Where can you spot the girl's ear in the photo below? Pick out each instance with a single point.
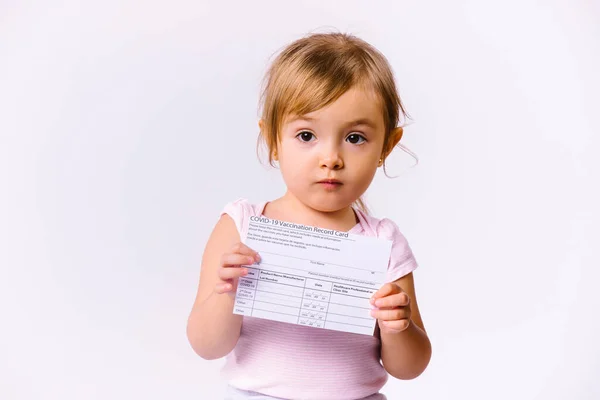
(393, 141)
(261, 126)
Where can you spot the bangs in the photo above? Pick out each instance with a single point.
(316, 80)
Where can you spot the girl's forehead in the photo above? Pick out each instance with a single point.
(357, 105)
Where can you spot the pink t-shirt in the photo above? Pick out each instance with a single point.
(300, 362)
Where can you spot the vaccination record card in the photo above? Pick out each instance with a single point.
(312, 276)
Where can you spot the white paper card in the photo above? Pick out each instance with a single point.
(312, 276)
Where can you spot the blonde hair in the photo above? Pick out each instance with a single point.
(316, 70)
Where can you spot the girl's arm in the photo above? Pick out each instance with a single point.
(406, 354)
(212, 329)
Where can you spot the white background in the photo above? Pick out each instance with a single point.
(125, 126)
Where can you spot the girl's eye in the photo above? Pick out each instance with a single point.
(305, 136)
(355, 138)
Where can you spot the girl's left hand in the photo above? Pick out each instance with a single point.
(393, 308)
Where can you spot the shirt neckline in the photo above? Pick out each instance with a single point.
(356, 228)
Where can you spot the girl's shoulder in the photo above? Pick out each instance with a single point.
(402, 259)
(241, 209)
(383, 228)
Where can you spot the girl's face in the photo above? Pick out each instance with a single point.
(328, 157)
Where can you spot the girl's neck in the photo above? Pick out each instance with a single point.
(289, 208)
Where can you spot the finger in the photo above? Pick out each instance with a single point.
(231, 273)
(234, 260)
(241, 248)
(391, 315)
(394, 300)
(223, 287)
(399, 325)
(386, 290)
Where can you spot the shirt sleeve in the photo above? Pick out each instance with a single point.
(237, 211)
(402, 261)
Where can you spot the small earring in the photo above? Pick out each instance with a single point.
(380, 162)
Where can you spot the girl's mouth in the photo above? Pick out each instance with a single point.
(330, 183)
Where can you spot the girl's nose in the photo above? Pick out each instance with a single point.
(332, 160)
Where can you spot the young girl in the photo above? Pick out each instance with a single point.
(330, 118)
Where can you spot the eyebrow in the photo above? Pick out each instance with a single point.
(360, 121)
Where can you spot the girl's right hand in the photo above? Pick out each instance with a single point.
(232, 267)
